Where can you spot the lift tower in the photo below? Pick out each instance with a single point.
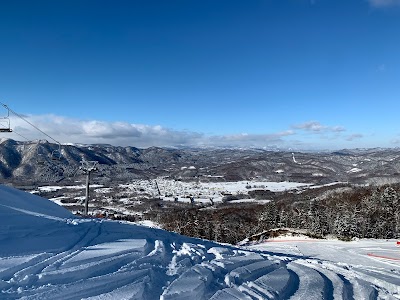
(88, 167)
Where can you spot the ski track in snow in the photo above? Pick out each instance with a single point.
(101, 259)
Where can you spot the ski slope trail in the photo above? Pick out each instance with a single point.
(47, 253)
(334, 269)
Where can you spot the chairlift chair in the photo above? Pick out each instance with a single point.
(5, 125)
(56, 154)
(40, 159)
(40, 156)
(5, 129)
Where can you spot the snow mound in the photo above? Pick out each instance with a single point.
(47, 253)
(278, 234)
(15, 199)
(354, 170)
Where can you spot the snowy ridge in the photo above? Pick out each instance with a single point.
(46, 253)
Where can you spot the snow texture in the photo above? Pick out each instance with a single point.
(47, 253)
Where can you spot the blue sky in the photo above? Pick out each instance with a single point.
(298, 74)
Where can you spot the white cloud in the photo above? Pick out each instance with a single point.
(338, 129)
(249, 140)
(355, 136)
(317, 127)
(310, 126)
(68, 130)
(395, 141)
(384, 3)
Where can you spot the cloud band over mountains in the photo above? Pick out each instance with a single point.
(68, 130)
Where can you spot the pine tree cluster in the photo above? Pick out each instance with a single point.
(362, 212)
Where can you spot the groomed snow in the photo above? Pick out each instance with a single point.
(47, 253)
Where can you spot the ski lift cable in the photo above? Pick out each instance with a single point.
(20, 135)
(34, 126)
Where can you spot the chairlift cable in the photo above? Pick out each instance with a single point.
(20, 135)
(34, 126)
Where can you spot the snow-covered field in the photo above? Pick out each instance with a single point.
(46, 253)
(172, 190)
(204, 191)
(127, 199)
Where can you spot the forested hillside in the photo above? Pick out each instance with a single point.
(362, 212)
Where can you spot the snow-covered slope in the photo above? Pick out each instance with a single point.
(46, 253)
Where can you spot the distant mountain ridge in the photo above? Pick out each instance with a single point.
(33, 161)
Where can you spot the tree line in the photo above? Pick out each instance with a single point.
(359, 212)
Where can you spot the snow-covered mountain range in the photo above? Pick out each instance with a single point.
(42, 162)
